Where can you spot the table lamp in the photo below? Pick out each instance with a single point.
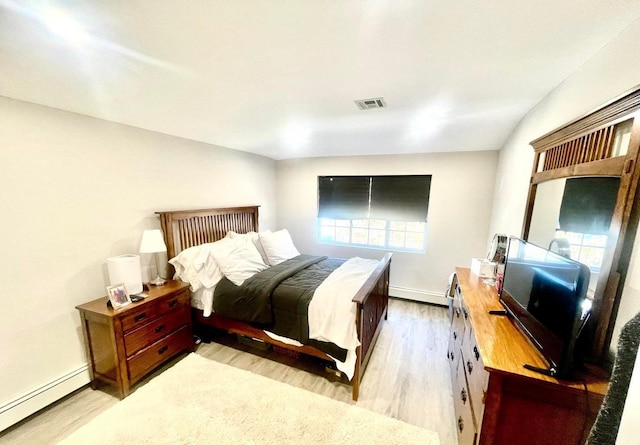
(153, 242)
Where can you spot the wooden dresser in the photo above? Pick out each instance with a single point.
(496, 400)
(124, 345)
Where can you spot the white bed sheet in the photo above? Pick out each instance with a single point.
(332, 314)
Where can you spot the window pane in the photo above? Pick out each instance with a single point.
(415, 227)
(575, 252)
(360, 223)
(342, 235)
(378, 224)
(377, 237)
(592, 256)
(327, 233)
(360, 236)
(327, 221)
(595, 240)
(396, 239)
(574, 238)
(398, 225)
(343, 223)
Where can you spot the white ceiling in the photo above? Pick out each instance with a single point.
(279, 77)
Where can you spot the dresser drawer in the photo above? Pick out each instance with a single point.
(477, 376)
(147, 312)
(465, 425)
(148, 358)
(151, 332)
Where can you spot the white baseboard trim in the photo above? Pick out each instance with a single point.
(419, 295)
(23, 406)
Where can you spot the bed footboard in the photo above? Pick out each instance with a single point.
(372, 301)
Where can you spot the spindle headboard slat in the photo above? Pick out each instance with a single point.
(187, 228)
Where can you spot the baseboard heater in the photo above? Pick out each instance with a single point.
(419, 295)
(33, 401)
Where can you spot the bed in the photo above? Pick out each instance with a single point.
(186, 229)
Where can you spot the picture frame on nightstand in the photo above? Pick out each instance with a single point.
(118, 295)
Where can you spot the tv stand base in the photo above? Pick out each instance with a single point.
(551, 372)
(498, 312)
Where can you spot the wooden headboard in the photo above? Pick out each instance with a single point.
(187, 228)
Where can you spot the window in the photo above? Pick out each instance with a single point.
(385, 212)
(586, 248)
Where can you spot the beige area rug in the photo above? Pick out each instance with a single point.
(202, 401)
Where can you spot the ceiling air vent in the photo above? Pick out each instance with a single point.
(369, 104)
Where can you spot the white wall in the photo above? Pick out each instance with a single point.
(75, 191)
(458, 221)
(612, 72)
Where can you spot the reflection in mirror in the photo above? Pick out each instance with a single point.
(622, 138)
(572, 217)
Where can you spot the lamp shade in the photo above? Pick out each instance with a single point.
(152, 242)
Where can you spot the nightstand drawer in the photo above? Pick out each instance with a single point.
(154, 331)
(148, 358)
(147, 312)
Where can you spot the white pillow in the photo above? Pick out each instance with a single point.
(185, 267)
(196, 266)
(278, 246)
(210, 273)
(238, 259)
(254, 238)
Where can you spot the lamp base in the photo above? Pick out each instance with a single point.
(157, 281)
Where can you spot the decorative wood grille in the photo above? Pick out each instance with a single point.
(208, 229)
(184, 229)
(594, 146)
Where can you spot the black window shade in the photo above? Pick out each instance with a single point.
(343, 197)
(588, 204)
(399, 198)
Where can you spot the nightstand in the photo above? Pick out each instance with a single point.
(123, 345)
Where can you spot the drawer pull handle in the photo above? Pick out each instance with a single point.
(463, 395)
(465, 313)
(172, 303)
(476, 352)
(141, 316)
(457, 313)
(469, 366)
(159, 329)
(455, 335)
(460, 424)
(451, 355)
(163, 349)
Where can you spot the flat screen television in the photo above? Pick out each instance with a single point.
(546, 295)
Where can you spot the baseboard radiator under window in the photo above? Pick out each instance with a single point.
(419, 295)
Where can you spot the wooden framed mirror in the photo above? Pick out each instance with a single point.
(583, 203)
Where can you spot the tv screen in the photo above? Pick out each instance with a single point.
(545, 293)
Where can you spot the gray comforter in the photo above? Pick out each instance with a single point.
(277, 299)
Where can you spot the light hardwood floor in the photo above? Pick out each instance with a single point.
(407, 378)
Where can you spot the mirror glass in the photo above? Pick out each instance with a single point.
(622, 138)
(571, 216)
